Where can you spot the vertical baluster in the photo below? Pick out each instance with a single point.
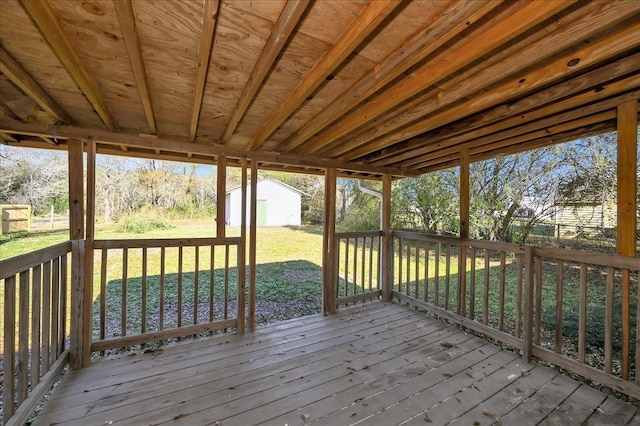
(371, 263)
(436, 283)
(180, 258)
(519, 285)
(338, 251)
(196, 284)
(55, 310)
(46, 317)
(36, 294)
(400, 249)
(485, 301)
(212, 260)
(64, 296)
(355, 265)
(503, 273)
(472, 285)
(408, 266)
(144, 291)
(559, 298)
(538, 310)
(608, 321)
(9, 347)
(426, 271)
(582, 316)
(363, 267)
(123, 308)
(103, 294)
(346, 267)
(416, 293)
(162, 284)
(447, 276)
(226, 282)
(23, 338)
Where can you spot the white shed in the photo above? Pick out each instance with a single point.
(278, 204)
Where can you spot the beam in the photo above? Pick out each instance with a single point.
(48, 24)
(517, 23)
(288, 20)
(517, 85)
(209, 18)
(329, 254)
(169, 146)
(362, 26)
(449, 24)
(21, 78)
(126, 18)
(221, 196)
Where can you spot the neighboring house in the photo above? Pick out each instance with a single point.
(589, 218)
(278, 204)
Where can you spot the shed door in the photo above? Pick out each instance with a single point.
(261, 213)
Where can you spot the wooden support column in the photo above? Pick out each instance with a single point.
(627, 222)
(242, 265)
(252, 245)
(221, 196)
(329, 244)
(76, 235)
(527, 335)
(464, 231)
(88, 252)
(386, 256)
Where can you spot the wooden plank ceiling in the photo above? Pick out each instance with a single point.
(374, 87)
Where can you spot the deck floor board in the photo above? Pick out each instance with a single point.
(372, 364)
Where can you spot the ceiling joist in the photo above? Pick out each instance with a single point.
(126, 18)
(288, 20)
(207, 35)
(362, 26)
(48, 24)
(21, 78)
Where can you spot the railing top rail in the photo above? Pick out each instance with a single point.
(580, 256)
(490, 245)
(15, 265)
(358, 234)
(165, 242)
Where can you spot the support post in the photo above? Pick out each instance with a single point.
(221, 195)
(88, 253)
(386, 256)
(242, 266)
(329, 245)
(252, 245)
(464, 231)
(76, 235)
(627, 223)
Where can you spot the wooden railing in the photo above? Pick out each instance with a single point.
(563, 306)
(358, 265)
(155, 295)
(35, 307)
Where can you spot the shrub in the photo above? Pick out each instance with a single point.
(139, 224)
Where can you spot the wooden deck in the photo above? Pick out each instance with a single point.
(374, 364)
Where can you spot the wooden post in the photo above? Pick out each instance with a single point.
(252, 245)
(329, 246)
(464, 231)
(527, 335)
(76, 235)
(386, 256)
(627, 192)
(88, 253)
(242, 267)
(221, 196)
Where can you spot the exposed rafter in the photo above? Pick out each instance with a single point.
(21, 78)
(570, 63)
(207, 35)
(126, 18)
(48, 24)
(287, 21)
(451, 23)
(515, 24)
(363, 25)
